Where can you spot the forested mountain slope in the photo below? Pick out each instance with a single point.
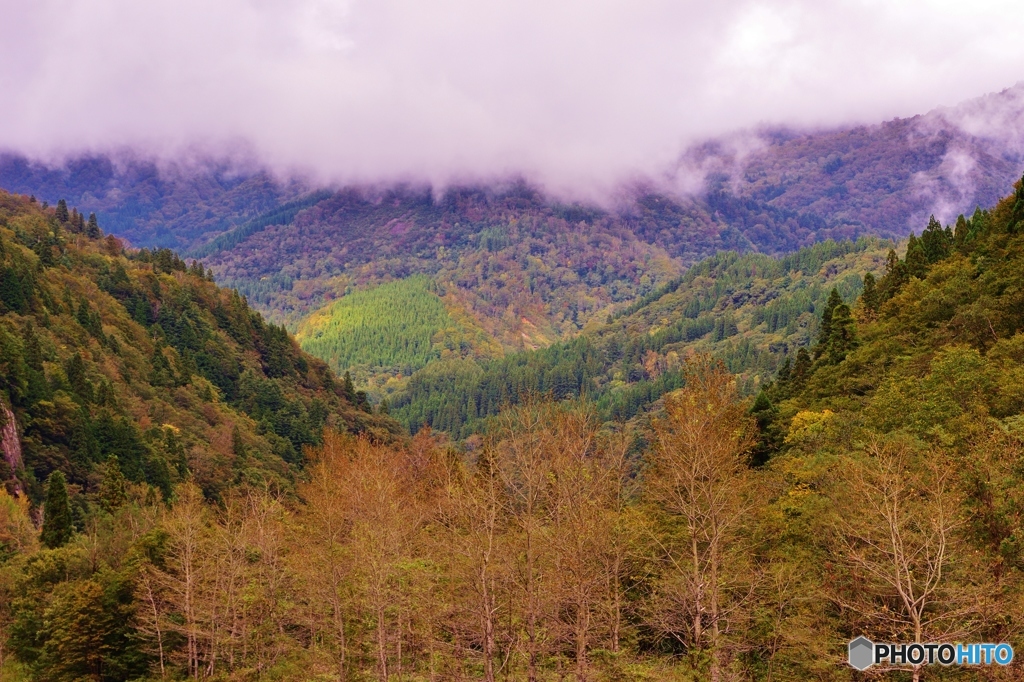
(161, 205)
(111, 352)
(527, 267)
(936, 348)
(873, 488)
(752, 311)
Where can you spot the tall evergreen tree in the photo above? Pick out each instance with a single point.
(769, 436)
(825, 330)
(348, 387)
(842, 335)
(113, 487)
(961, 234)
(58, 526)
(895, 276)
(62, 212)
(916, 260)
(237, 444)
(1016, 222)
(936, 241)
(783, 375)
(93, 229)
(869, 295)
(801, 368)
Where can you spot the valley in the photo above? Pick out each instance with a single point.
(518, 270)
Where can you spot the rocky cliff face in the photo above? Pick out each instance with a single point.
(10, 445)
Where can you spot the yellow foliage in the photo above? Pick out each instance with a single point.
(17, 533)
(807, 424)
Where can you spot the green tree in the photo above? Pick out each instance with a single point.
(93, 229)
(77, 624)
(58, 526)
(1016, 222)
(237, 444)
(825, 330)
(74, 369)
(113, 488)
(895, 276)
(936, 241)
(769, 435)
(62, 212)
(916, 260)
(869, 297)
(961, 234)
(842, 335)
(801, 368)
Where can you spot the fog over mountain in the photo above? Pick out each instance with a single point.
(578, 96)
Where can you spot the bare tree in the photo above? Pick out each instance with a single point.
(898, 534)
(182, 583)
(522, 447)
(697, 478)
(386, 516)
(327, 527)
(474, 517)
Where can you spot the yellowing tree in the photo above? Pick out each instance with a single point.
(698, 479)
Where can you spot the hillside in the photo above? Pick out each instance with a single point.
(383, 334)
(112, 352)
(872, 488)
(527, 267)
(751, 311)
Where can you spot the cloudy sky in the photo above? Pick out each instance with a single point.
(570, 92)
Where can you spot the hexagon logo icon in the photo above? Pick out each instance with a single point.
(862, 652)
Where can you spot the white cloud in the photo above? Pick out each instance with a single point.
(574, 94)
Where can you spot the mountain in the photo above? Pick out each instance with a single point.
(526, 268)
(163, 205)
(871, 489)
(751, 311)
(106, 351)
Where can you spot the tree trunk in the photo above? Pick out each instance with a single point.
(382, 646)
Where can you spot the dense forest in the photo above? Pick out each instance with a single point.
(379, 335)
(750, 311)
(133, 354)
(527, 267)
(872, 487)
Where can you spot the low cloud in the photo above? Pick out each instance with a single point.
(578, 95)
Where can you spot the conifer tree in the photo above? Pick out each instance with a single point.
(961, 233)
(801, 368)
(237, 445)
(936, 241)
(347, 387)
(825, 330)
(62, 212)
(916, 260)
(895, 276)
(57, 523)
(869, 297)
(93, 230)
(1016, 222)
(113, 487)
(842, 335)
(74, 369)
(784, 372)
(769, 436)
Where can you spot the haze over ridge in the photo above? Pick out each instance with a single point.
(577, 96)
